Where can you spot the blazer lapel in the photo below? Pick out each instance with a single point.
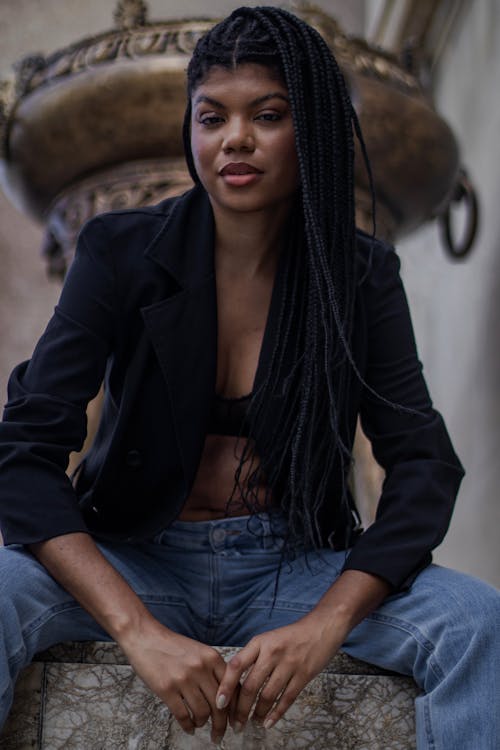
(183, 327)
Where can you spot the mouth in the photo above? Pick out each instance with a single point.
(238, 169)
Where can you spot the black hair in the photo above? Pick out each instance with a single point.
(299, 451)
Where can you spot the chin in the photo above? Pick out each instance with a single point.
(252, 203)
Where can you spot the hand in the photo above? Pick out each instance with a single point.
(278, 665)
(184, 673)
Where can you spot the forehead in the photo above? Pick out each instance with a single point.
(245, 76)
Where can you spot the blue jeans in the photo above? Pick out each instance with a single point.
(216, 581)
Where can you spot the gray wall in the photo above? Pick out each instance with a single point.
(456, 308)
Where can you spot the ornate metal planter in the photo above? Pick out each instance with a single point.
(96, 125)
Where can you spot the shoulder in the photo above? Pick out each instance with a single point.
(135, 225)
(376, 260)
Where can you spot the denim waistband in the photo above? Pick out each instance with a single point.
(258, 531)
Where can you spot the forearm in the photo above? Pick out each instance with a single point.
(185, 674)
(348, 601)
(75, 561)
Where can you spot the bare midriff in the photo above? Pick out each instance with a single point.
(214, 482)
(242, 308)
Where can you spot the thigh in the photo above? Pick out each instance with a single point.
(35, 611)
(173, 582)
(426, 631)
(420, 632)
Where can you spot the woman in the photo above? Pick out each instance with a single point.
(241, 329)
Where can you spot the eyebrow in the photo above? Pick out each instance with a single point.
(254, 103)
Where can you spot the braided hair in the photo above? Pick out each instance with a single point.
(299, 450)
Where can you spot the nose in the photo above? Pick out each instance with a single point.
(238, 136)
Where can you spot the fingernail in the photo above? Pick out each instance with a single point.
(268, 724)
(221, 701)
(238, 727)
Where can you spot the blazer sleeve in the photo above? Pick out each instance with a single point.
(45, 416)
(409, 438)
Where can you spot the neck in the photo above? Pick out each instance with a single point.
(249, 244)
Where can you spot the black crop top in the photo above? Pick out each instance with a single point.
(229, 416)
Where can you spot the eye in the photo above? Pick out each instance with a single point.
(209, 120)
(269, 116)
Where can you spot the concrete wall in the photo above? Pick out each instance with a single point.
(456, 307)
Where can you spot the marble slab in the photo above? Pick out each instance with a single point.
(21, 732)
(86, 697)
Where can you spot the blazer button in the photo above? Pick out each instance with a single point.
(134, 459)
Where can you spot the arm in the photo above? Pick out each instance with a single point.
(422, 471)
(180, 671)
(44, 420)
(45, 416)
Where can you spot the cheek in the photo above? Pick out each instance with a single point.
(285, 145)
(195, 148)
(199, 145)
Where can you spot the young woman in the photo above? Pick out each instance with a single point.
(241, 329)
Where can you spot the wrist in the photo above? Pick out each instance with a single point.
(139, 631)
(331, 623)
(129, 627)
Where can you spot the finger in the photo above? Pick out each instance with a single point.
(219, 724)
(219, 717)
(284, 702)
(232, 710)
(198, 705)
(270, 693)
(235, 667)
(219, 669)
(249, 691)
(182, 714)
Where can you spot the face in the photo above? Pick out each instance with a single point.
(243, 141)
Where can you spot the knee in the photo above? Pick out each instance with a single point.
(462, 611)
(482, 612)
(470, 614)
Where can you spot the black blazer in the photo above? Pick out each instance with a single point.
(138, 309)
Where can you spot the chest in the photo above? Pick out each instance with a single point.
(242, 314)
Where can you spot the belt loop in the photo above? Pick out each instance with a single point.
(266, 525)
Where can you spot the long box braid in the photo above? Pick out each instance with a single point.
(298, 451)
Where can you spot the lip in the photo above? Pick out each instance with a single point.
(237, 169)
(239, 174)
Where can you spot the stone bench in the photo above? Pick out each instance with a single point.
(85, 696)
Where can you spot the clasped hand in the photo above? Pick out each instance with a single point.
(197, 685)
(271, 671)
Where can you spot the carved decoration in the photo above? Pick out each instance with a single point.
(130, 13)
(140, 183)
(166, 39)
(7, 99)
(138, 38)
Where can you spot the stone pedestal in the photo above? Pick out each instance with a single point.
(84, 696)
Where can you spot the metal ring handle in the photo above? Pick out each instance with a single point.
(464, 192)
